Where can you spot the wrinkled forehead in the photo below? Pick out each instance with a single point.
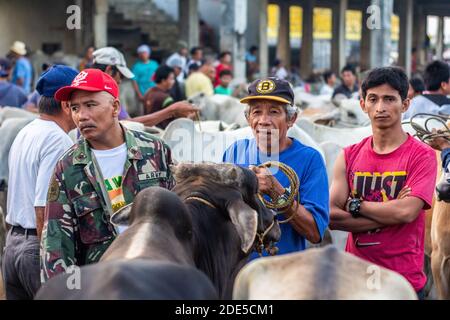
(82, 96)
(225, 174)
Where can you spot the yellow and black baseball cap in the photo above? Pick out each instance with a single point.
(270, 89)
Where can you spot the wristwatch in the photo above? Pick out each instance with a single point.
(354, 206)
(283, 198)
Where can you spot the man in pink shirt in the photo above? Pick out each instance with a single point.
(383, 184)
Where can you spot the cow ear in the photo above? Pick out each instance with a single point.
(122, 216)
(245, 220)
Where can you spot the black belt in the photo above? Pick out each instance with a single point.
(20, 230)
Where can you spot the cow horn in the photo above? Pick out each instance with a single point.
(122, 216)
(245, 220)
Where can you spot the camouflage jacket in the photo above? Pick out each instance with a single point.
(77, 230)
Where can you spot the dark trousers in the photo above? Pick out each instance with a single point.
(21, 266)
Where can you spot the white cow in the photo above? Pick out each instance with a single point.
(189, 144)
(319, 274)
(348, 136)
(11, 112)
(8, 131)
(220, 107)
(305, 100)
(352, 114)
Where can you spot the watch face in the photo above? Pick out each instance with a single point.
(352, 206)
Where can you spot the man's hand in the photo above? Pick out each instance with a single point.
(438, 143)
(183, 109)
(404, 192)
(267, 183)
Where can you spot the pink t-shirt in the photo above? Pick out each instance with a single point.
(380, 177)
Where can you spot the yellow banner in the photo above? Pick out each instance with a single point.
(322, 23)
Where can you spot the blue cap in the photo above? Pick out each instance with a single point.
(55, 77)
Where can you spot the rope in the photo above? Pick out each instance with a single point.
(294, 183)
(424, 133)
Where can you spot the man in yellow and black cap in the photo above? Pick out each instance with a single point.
(270, 113)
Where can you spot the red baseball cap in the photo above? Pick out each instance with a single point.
(93, 80)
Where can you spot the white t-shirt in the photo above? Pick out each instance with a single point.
(32, 159)
(112, 165)
(281, 73)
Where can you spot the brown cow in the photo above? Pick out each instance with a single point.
(440, 254)
(439, 231)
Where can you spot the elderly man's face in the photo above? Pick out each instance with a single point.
(269, 123)
(94, 113)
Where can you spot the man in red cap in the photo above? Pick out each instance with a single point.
(97, 176)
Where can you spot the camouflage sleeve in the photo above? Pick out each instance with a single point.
(169, 162)
(58, 244)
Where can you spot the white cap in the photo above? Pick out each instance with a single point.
(175, 62)
(19, 48)
(144, 48)
(113, 57)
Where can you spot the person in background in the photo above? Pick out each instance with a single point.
(32, 102)
(349, 82)
(435, 100)
(416, 88)
(112, 62)
(251, 60)
(32, 159)
(143, 71)
(177, 91)
(158, 97)
(224, 64)
(329, 77)
(10, 94)
(23, 71)
(181, 60)
(278, 70)
(88, 60)
(225, 78)
(196, 58)
(200, 81)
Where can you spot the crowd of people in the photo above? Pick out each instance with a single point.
(381, 185)
(191, 71)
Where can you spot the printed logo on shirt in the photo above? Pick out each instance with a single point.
(114, 188)
(376, 186)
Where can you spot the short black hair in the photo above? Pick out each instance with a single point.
(327, 75)
(49, 106)
(223, 54)
(225, 72)
(417, 84)
(162, 73)
(393, 76)
(194, 50)
(193, 67)
(350, 68)
(253, 48)
(435, 73)
(103, 67)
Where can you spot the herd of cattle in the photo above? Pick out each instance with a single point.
(177, 248)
